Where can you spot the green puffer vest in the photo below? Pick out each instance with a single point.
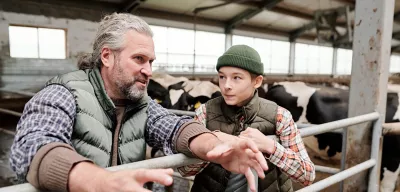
(95, 120)
(258, 113)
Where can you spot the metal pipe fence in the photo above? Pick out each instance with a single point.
(339, 176)
(325, 169)
(10, 112)
(182, 160)
(391, 128)
(25, 93)
(323, 128)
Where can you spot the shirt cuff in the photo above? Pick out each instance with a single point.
(277, 154)
(51, 165)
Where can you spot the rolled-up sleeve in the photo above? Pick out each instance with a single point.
(48, 117)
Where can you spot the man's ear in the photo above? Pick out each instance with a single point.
(259, 80)
(107, 57)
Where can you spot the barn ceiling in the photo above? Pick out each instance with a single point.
(287, 18)
(280, 17)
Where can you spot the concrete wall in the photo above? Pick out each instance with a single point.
(20, 73)
(78, 18)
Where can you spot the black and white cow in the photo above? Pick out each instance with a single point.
(317, 105)
(180, 93)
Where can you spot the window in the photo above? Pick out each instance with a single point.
(33, 42)
(394, 64)
(313, 59)
(177, 50)
(274, 54)
(344, 61)
(209, 46)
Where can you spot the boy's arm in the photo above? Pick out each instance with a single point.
(194, 169)
(291, 156)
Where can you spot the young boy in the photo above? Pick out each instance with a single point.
(239, 111)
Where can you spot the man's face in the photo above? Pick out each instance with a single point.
(132, 66)
(237, 86)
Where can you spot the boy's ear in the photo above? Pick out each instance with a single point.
(259, 79)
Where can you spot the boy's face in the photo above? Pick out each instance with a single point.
(237, 85)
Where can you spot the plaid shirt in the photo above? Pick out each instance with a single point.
(290, 156)
(49, 117)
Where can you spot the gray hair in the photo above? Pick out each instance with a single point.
(111, 33)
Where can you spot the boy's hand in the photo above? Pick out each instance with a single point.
(264, 143)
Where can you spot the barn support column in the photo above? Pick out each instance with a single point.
(292, 55)
(334, 61)
(368, 88)
(228, 41)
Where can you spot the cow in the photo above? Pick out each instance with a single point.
(181, 93)
(316, 105)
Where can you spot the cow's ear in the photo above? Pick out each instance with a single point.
(258, 81)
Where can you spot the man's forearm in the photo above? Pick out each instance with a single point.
(51, 165)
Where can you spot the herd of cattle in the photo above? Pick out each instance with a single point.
(308, 104)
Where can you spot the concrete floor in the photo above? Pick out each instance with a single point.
(7, 176)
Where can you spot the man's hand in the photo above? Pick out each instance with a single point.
(235, 154)
(264, 143)
(88, 177)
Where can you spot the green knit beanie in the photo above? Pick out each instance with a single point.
(244, 57)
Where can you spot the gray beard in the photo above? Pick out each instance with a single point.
(130, 91)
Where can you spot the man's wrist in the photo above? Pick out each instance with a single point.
(203, 143)
(85, 176)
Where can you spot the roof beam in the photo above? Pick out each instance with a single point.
(152, 13)
(297, 32)
(279, 10)
(248, 14)
(397, 16)
(396, 35)
(145, 12)
(395, 48)
(347, 2)
(130, 5)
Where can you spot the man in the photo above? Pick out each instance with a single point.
(101, 116)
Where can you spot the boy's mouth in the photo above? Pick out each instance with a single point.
(229, 96)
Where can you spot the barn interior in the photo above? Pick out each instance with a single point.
(308, 41)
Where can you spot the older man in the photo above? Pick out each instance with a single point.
(101, 116)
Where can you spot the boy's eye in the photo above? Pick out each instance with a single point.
(237, 77)
(221, 77)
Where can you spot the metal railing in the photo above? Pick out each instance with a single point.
(182, 160)
(10, 112)
(25, 93)
(339, 176)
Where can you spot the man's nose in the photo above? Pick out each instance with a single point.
(146, 70)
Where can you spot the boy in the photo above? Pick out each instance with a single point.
(239, 111)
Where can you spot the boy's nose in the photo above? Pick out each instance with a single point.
(227, 86)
